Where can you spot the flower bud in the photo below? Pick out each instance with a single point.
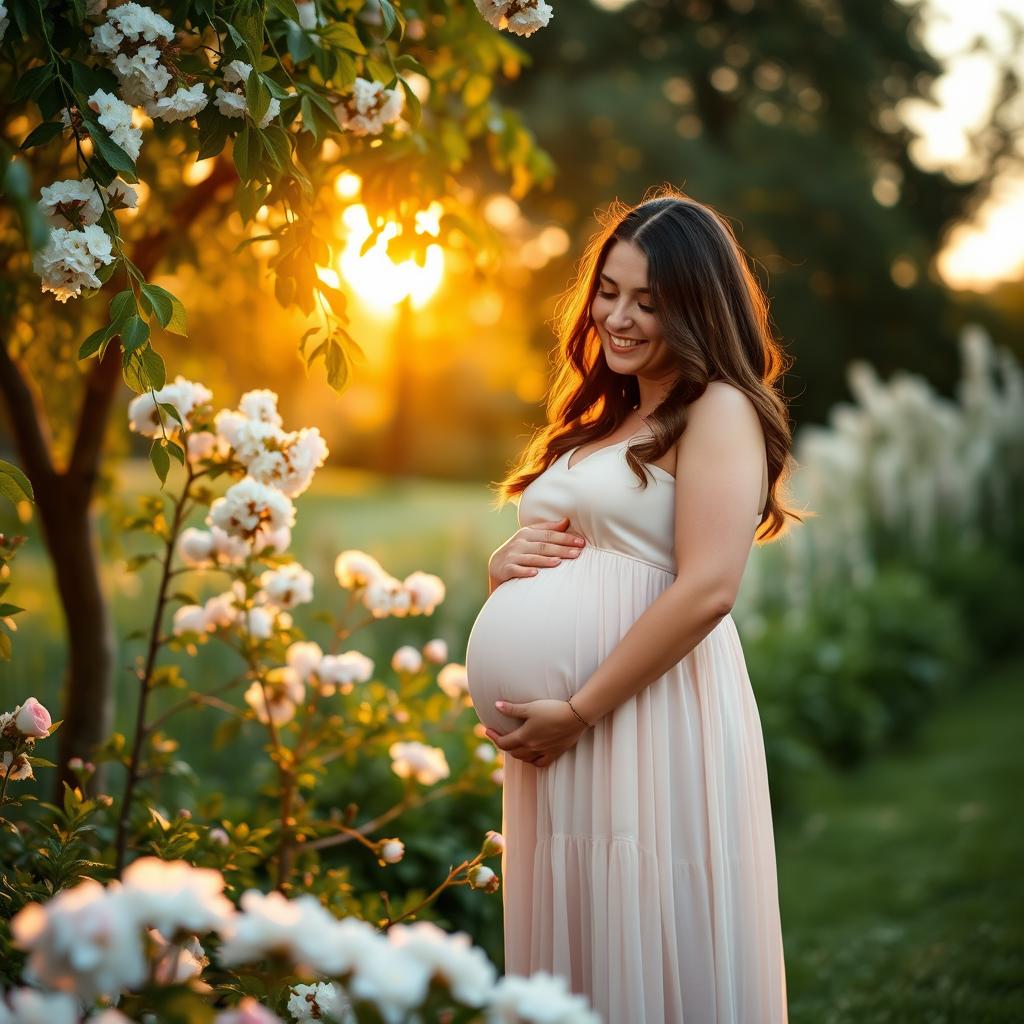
(32, 719)
(482, 877)
(494, 842)
(391, 851)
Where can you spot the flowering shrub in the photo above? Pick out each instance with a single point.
(192, 923)
(904, 472)
(144, 943)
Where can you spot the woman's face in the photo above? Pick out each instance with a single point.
(622, 311)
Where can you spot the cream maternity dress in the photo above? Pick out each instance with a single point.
(640, 865)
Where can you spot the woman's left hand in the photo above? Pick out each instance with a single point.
(549, 730)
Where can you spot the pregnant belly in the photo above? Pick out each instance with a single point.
(534, 638)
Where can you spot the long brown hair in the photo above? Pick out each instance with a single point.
(714, 318)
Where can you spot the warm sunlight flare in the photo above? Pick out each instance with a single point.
(379, 282)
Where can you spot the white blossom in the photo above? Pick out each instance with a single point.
(288, 585)
(321, 1001)
(407, 659)
(142, 75)
(248, 1011)
(204, 444)
(84, 940)
(71, 203)
(386, 595)
(485, 752)
(144, 417)
(453, 679)
(343, 671)
(261, 403)
(464, 968)
(189, 618)
(116, 117)
(134, 21)
(249, 504)
(417, 760)
(183, 103)
(221, 611)
(304, 656)
(542, 998)
(174, 896)
(291, 465)
(425, 590)
(232, 102)
(436, 651)
(28, 1006)
(195, 547)
(121, 195)
(284, 690)
(522, 17)
(356, 569)
(300, 929)
(70, 260)
(370, 107)
(396, 981)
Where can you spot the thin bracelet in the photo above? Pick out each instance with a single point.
(568, 701)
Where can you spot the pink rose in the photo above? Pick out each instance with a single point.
(33, 719)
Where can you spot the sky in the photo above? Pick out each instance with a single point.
(990, 248)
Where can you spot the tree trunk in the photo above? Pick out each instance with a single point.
(88, 705)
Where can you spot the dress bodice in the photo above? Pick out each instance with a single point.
(606, 504)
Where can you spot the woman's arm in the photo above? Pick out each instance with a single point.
(718, 482)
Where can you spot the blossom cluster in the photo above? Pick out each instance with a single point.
(92, 942)
(521, 17)
(369, 108)
(230, 98)
(19, 730)
(139, 46)
(383, 594)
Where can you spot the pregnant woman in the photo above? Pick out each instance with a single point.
(640, 858)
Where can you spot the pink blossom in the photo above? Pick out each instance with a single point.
(32, 719)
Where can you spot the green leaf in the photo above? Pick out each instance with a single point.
(134, 335)
(176, 451)
(158, 302)
(171, 411)
(32, 81)
(279, 146)
(42, 133)
(153, 366)
(160, 459)
(286, 7)
(8, 471)
(300, 46)
(342, 34)
(176, 319)
(246, 152)
(257, 96)
(94, 341)
(110, 151)
(9, 609)
(122, 306)
(337, 366)
(412, 102)
(214, 129)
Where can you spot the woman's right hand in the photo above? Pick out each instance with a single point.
(532, 548)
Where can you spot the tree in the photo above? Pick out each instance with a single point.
(281, 97)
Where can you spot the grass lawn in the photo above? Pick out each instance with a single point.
(902, 888)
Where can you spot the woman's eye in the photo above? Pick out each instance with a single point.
(611, 295)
